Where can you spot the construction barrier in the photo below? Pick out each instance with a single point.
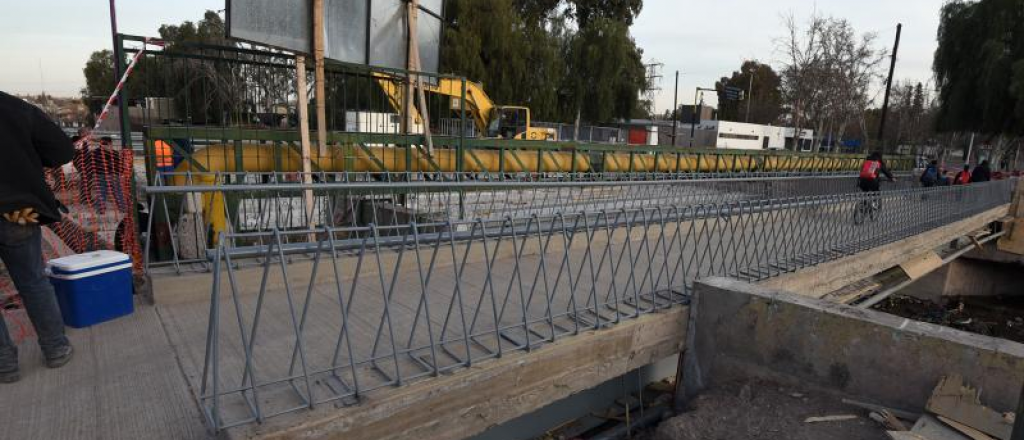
(98, 198)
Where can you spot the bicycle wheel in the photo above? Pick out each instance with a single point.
(860, 212)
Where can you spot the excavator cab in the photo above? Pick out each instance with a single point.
(509, 122)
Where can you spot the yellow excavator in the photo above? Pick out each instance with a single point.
(491, 121)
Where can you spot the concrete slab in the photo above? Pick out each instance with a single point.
(123, 383)
(743, 329)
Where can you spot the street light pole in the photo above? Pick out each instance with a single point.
(888, 87)
(675, 112)
(750, 93)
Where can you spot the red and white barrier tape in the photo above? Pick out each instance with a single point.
(120, 84)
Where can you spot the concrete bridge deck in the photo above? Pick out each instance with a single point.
(139, 377)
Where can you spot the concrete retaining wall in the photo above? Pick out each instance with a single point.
(738, 329)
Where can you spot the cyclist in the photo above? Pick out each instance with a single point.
(963, 177)
(871, 170)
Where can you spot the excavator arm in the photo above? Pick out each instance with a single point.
(512, 122)
(478, 104)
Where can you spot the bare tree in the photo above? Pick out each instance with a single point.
(827, 73)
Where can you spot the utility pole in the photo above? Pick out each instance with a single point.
(888, 87)
(750, 94)
(694, 118)
(675, 111)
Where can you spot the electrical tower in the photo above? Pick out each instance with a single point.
(654, 77)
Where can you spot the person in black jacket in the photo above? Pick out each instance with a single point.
(29, 141)
(982, 173)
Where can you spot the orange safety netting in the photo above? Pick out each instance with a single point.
(99, 201)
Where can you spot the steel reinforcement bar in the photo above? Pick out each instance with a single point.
(376, 306)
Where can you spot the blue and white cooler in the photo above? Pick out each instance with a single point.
(93, 287)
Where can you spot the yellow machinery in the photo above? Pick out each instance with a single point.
(491, 121)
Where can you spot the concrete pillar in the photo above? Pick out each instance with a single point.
(968, 277)
(1013, 241)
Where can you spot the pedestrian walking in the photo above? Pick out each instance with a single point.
(964, 176)
(930, 176)
(982, 173)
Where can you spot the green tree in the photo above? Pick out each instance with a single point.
(979, 67)
(527, 52)
(585, 11)
(99, 74)
(606, 73)
(491, 43)
(764, 99)
(210, 30)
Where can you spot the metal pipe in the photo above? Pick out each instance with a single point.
(949, 259)
(463, 185)
(675, 112)
(750, 94)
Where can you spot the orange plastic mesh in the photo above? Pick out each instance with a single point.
(99, 197)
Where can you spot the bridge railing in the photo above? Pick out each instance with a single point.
(186, 219)
(325, 315)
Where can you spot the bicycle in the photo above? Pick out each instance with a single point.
(866, 209)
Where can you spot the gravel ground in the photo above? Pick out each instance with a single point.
(766, 410)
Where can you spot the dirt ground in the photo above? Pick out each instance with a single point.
(1001, 317)
(766, 410)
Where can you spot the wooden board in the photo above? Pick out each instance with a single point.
(461, 405)
(955, 400)
(974, 434)
(922, 265)
(930, 428)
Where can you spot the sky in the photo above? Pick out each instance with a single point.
(45, 43)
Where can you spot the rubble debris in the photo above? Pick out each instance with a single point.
(719, 413)
(888, 420)
(905, 415)
(1000, 317)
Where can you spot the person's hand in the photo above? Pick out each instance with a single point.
(23, 216)
(85, 136)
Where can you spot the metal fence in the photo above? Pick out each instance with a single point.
(187, 218)
(233, 109)
(324, 315)
(586, 133)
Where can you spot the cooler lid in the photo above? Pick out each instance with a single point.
(87, 261)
